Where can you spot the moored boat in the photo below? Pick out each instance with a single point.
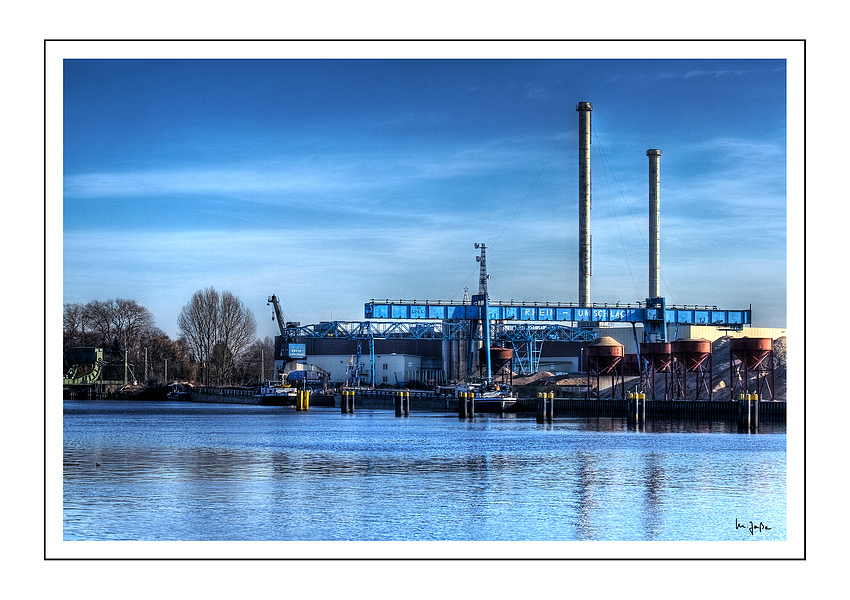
(274, 393)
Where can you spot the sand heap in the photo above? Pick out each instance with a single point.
(720, 372)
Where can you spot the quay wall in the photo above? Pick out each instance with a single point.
(385, 399)
(224, 396)
(678, 408)
(239, 396)
(430, 402)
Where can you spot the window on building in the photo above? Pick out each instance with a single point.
(386, 366)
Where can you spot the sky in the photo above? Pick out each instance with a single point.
(330, 182)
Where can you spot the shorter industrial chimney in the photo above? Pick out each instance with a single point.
(654, 223)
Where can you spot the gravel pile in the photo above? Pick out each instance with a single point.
(721, 361)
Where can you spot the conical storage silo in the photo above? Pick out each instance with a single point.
(691, 356)
(501, 360)
(751, 366)
(605, 357)
(657, 357)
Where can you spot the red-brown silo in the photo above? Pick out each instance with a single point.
(751, 351)
(500, 358)
(658, 354)
(691, 354)
(604, 353)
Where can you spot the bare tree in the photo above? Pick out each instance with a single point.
(257, 361)
(130, 322)
(101, 318)
(198, 322)
(74, 325)
(168, 360)
(238, 328)
(218, 327)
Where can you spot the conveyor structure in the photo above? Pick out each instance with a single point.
(521, 326)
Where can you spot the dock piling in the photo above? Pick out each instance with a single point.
(748, 412)
(545, 407)
(346, 404)
(636, 407)
(303, 400)
(466, 405)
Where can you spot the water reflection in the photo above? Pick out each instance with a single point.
(178, 472)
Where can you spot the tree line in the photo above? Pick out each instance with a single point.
(217, 343)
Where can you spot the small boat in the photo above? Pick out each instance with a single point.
(178, 393)
(493, 399)
(494, 402)
(274, 393)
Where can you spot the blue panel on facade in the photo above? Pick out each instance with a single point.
(457, 312)
(702, 317)
(511, 313)
(528, 313)
(685, 316)
(546, 314)
(635, 315)
(718, 317)
(493, 313)
(582, 314)
(735, 317)
(657, 313)
(617, 314)
(564, 314)
(399, 311)
(297, 350)
(599, 314)
(418, 312)
(436, 312)
(379, 311)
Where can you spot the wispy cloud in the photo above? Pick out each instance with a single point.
(701, 73)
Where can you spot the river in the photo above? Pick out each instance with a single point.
(164, 471)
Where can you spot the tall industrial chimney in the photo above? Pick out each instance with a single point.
(584, 109)
(654, 222)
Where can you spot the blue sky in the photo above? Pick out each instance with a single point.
(331, 182)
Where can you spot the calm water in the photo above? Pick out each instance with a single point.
(187, 471)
